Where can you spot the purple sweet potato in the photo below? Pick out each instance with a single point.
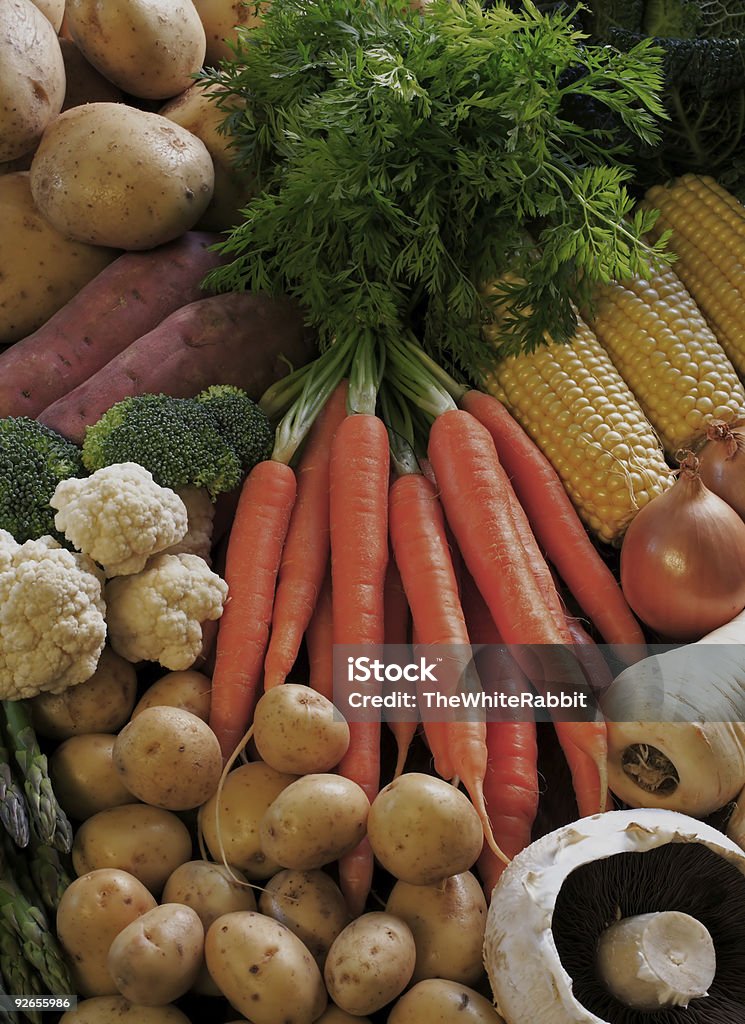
(236, 338)
(124, 301)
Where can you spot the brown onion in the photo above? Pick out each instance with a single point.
(722, 460)
(683, 559)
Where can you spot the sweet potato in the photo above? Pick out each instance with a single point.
(125, 300)
(237, 338)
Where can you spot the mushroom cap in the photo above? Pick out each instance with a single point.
(527, 977)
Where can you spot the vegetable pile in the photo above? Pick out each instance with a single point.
(375, 338)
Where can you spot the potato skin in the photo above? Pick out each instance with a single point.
(264, 970)
(102, 703)
(437, 1001)
(110, 174)
(148, 842)
(219, 18)
(84, 777)
(189, 690)
(447, 921)
(156, 959)
(370, 963)
(310, 904)
(149, 48)
(42, 267)
(168, 758)
(32, 77)
(118, 1010)
(92, 911)
(298, 730)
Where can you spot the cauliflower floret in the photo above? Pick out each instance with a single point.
(119, 516)
(157, 615)
(52, 617)
(200, 510)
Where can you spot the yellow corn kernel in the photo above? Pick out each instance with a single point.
(577, 408)
(664, 349)
(708, 236)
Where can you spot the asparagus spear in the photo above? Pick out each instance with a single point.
(16, 971)
(48, 819)
(12, 1017)
(36, 939)
(49, 872)
(13, 810)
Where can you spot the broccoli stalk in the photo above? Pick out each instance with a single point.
(209, 441)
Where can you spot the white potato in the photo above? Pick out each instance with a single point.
(84, 777)
(370, 963)
(110, 174)
(438, 1001)
(297, 729)
(188, 689)
(118, 1010)
(149, 48)
(310, 904)
(220, 18)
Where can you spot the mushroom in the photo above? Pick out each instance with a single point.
(626, 917)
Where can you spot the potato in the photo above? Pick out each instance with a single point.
(54, 10)
(169, 758)
(83, 84)
(219, 18)
(92, 911)
(156, 959)
(84, 777)
(334, 1015)
(189, 690)
(211, 890)
(118, 1010)
(195, 111)
(159, 177)
(423, 830)
(101, 704)
(370, 963)
(148, 842)
(32, 77)
(296, 729)
(149, 48)
(314, 821)
(437, 1001)
(234, 816)
(41, 268)
(263, 970)
(447, 920)
(310, 904)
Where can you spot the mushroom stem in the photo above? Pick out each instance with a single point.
(655, 960)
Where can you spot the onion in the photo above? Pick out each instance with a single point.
(683, 559)
(723, 462)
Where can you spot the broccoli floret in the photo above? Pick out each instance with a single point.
(33, 460)
(177, 439)
(241, 422)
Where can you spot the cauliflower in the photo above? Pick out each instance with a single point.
(52, 625)
(157, 615)
(200, 510)
(119, 516)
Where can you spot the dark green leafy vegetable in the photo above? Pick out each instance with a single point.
(404, 159)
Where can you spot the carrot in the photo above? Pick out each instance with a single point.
(511, 779)
(237, 338)
(465, 463)
(319, 640)
(124, 301)
(396, 611)
(306, 550)
(251, 565)
(435, 732)
(557, 526)
(420, 545)
(359, 555)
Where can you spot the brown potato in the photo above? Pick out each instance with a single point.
(370, 963)
(168, 758)
(437, 1001)
(54, 10)
(156, 959)
(92, 911)
(102, 703)
(118, 1010)
(298, 730)
(148, 842)
(335, 1015)
(159, 177)
(310, 904)
(84, 777)
(188, 689)
(220, 18)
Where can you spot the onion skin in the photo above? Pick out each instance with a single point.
(722, 463)
(683, 560)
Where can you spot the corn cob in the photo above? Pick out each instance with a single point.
(663, 348)
(708, 236)
(574, 404)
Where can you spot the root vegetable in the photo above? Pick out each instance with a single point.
(299, 731)
(370, 963)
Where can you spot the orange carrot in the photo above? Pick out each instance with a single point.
(396, 610)
(251, 565)
(319, 640)
(466, 465)
(360, 462)
(306, 549)
(435, 732)
(420, 545)
(557, 526)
